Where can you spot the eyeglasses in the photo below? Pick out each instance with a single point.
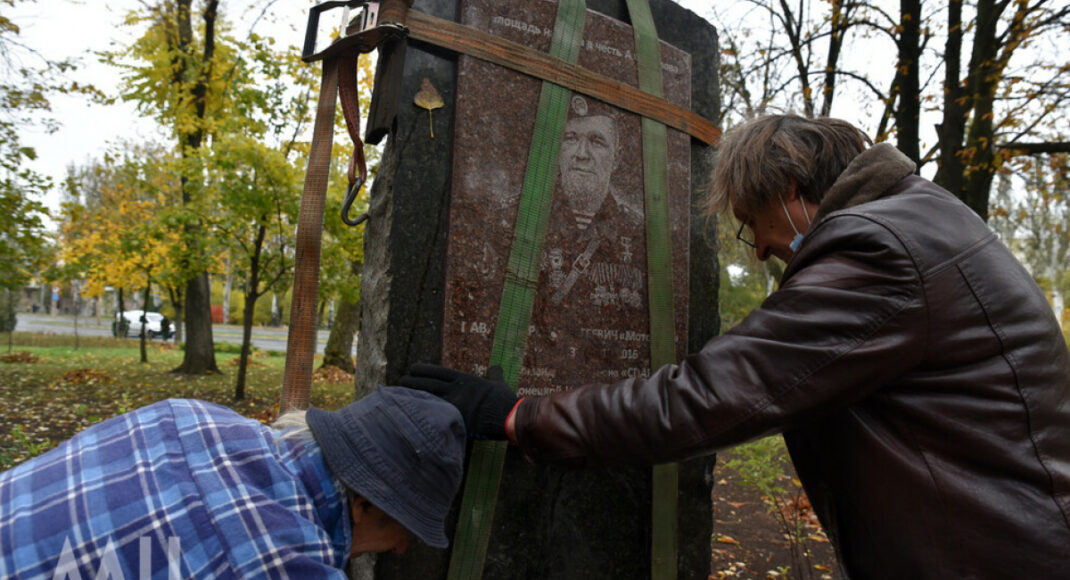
(746, 235)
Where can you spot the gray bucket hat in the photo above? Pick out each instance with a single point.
(402, 450)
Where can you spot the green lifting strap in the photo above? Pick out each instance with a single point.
(663, 549)
(514, 313)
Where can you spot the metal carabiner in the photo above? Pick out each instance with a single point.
(351, 195)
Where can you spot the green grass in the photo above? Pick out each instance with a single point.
(48, 401)
(24, 339)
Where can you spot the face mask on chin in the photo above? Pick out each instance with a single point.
(797, 240)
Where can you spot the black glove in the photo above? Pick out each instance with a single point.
(484, 403)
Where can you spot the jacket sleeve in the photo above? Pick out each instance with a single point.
(848, 319)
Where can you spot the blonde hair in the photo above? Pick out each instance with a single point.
(293, 424)
(761, 158)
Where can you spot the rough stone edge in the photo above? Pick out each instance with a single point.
(377, 357)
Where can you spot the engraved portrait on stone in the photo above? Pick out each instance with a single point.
(590, 316)
(590, 152)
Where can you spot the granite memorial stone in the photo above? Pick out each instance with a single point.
(590, 321)
(439, 236)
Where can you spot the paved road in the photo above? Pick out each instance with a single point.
(263, 338)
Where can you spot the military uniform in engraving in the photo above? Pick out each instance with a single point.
(593, 262)
(589, 318)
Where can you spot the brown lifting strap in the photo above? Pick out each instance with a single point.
(350, 97)
(395, 19)
(478, 44)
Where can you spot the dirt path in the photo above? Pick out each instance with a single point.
(749, 542)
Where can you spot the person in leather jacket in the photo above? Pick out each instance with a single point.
(915, 369)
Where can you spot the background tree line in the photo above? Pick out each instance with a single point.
(975, 92)
(219, 199)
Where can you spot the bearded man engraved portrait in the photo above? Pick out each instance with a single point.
(590, 258)
(590, 149)
(593, 262)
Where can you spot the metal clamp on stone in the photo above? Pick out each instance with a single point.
(362, 35)
(380, 24)
(377, 24)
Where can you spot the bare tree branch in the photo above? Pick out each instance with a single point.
(1036, 148)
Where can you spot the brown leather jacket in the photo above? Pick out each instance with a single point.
(915, 369)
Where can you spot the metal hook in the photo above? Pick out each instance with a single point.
(351, 195)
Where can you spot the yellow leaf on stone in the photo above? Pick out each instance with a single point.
(428, 98)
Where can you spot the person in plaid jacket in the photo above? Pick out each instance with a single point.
(190, 489)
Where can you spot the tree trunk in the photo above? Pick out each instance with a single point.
(951, 172)
(339, 349)
(908, 83)
(226, 292)
(199, 357)
(118, 329)
(75, 300)
(968, 157)
(246, 340)
(792, 25)
(839, 22)
(984, 74)
(144, 321)
(9, 321)
(252, 293)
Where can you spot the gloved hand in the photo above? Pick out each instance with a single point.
(484, 403)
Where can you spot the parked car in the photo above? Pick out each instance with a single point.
(129, 324)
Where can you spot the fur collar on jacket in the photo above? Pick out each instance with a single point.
(868, 177)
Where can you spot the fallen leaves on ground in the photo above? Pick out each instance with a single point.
(267, 415)
(19, 356)
(798, 509)
(743, 514)
(331, 374)
(86, 377)
(69, 389)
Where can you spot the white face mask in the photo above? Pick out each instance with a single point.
(797, 240)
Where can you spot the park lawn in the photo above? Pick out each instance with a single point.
(67, 389)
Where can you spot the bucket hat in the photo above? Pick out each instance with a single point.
(402, 450)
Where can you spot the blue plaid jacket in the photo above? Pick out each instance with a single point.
(178, 489)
